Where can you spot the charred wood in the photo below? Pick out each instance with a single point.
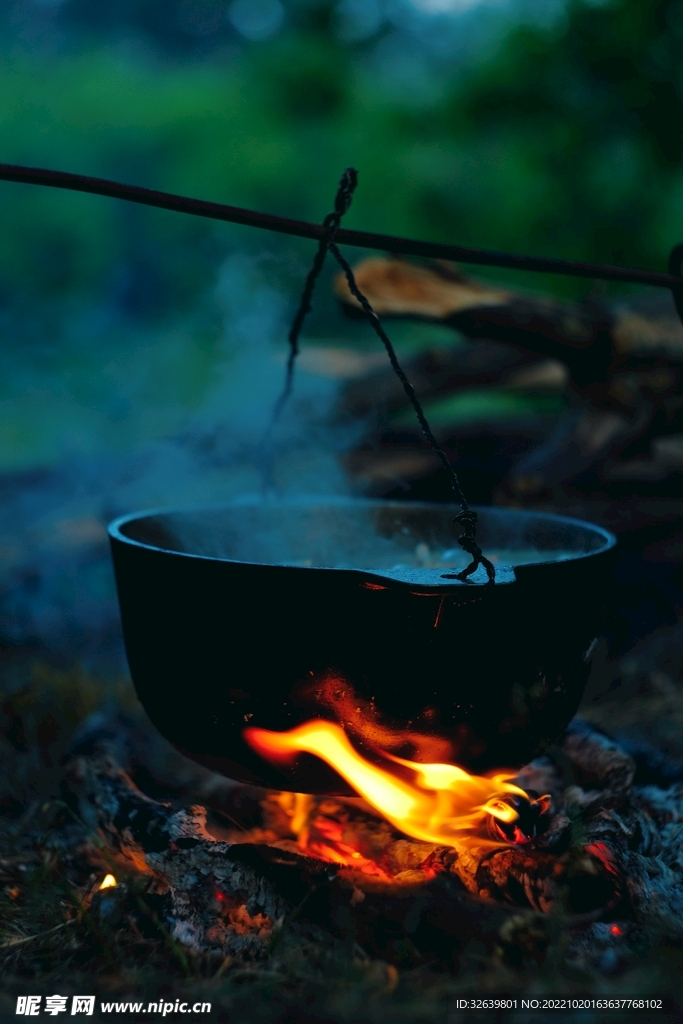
(238, 899)
(612, 848)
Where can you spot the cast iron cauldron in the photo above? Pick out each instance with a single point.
(270, 613)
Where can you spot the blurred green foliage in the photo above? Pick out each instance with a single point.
(565, 138)
(561, 138)
(587, 117)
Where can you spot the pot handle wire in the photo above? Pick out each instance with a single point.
(467, 517)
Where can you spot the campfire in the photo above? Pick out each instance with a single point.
(426, 853)
(369, 718)
(435, 803)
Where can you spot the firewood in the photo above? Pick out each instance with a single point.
(623, 367)
(580, 334)
(235, 899)
(217, 904)
(321, 870)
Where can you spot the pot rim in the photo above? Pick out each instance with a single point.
(115, 529)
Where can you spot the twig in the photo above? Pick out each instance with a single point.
(40, 935)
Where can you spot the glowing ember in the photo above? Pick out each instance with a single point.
(436, 803)
(108, 882)
(325, 829)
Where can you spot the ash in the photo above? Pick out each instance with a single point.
(237, 874)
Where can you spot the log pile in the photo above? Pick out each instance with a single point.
(620, 367)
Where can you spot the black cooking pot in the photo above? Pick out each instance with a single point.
(270, 613)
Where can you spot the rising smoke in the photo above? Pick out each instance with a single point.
(56, 584)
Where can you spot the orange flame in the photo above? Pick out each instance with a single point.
(442, 804)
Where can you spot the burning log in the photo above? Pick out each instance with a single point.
(317, 869)
(237, 897)
(434, 803)
(215, 902)
(623, 367)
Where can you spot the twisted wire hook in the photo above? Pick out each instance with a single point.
(342, 201)
(466, 518)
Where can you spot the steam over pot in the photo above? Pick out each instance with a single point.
(270, 613)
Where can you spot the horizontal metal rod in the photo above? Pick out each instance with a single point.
(364, 239)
